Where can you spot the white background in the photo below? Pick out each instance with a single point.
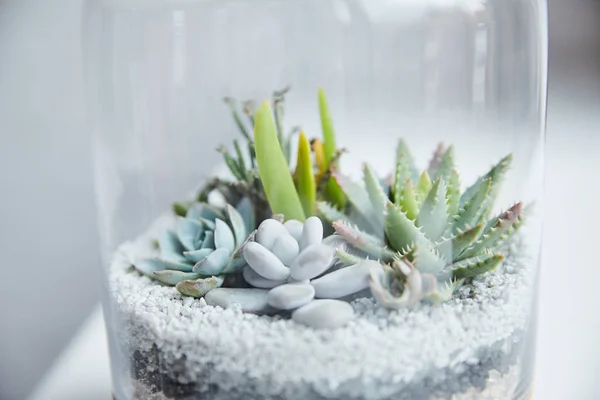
(48, 240)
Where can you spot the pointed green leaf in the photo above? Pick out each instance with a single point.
(402, 176)
(453, 194)
(401, 232)
(236, 116)
(377, 198)
(304, 177)
(423, 187)
(180, 209)
(474, 266)
(224, 238)
(408, 200)
(451, 247)
(404, 157)
(334, 193)
(427, 260)
(469, 214)
(496, 232)
(495, 175)
(445, 165)
(273, 168)
(362, 241)
(331, 214)
(433, 217)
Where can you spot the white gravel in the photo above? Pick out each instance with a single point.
(377, 354)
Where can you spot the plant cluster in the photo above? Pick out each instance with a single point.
(427, 234)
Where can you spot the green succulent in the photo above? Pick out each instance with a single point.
(205, 246)
(424, 220)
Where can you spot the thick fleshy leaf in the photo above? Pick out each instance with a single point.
(363, 241)
(208, 224)
(304, 178)
(331, 214)
(199, 287)
(170, 277)
(424, 186)
(376, 196)
(149, 266)
(433, 217)
(445, 165)
(197, 255)
(333, 191)
(451, 247)
(470, 211)
(495, 175)
(214, 264)
(453, 194)
(404, 157)
(474, 266)
(426, 259)
(404, 171)
(178, 266)
(401, 232)
(246, 210)
(238, 226)
(170, 247)
(203, 210)
(209, 241)
(224, 238)
(273, 168)
(359, 199)
(234, 264)
(189, 232)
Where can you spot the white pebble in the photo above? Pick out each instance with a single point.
(268, 231)
(286, 249)
(294, 227)
(249, 300)
(312, 232)
(256, 280)
(264, 262)
(290, 296)
(324, 314)
(313, 261)
(343, 282)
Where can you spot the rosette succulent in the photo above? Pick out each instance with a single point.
(205, 246)
(427, 235)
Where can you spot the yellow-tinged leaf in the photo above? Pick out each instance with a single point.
(424, 186)
(303, 176)
(273, 168)
(333, 192)
(317, 147)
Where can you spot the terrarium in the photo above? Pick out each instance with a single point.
(319, 199)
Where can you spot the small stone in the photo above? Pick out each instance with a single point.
(286, 249)
(294, 228)
(290, 296)
(264, 262)
(249, 300)
(312, 233)
(324, 314)
(256, 280)
(268, 231)
(343, 282)
(311, 262)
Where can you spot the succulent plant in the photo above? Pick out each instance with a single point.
(206, 245)
(421, 228)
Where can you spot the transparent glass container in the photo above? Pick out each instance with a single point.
(468, 73)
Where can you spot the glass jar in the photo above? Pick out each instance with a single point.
(425, 287)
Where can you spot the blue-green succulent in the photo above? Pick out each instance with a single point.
(205, 246)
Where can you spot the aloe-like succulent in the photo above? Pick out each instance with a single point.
(206, 245)
(419, 227)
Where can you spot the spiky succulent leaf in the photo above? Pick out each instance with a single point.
(435, 159)
(495, 175)
(304, 177)
(497, 232)
(345, 257)
(404, 170)
(453, 194)
(426, 259)
(451, 247)
(376, 196)
(423, 186)
(433, 217)
(445, 165)
(358, 197)
(403, 153)
(401, 232)
(408, 200)
(470, 267)
(470, 211)
(331, 214)
(362, 241)
(149, 266)
(273, 168)
(333, 190)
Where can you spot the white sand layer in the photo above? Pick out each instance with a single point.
(377, 354)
